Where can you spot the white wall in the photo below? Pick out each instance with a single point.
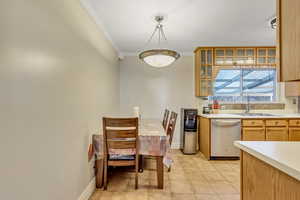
(155, 89)
(58, 76)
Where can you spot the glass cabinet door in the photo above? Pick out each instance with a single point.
(209, 57)
(209, 71)
(203, 87)
(245, 56)
(209, 87)
(205, 64)
(272, 56)
(266, 56)
(203, 71)
(224, 56)
(203, 57)
(262, 52)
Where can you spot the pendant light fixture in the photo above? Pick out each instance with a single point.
(159, 57)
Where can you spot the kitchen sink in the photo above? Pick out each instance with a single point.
(253, 114)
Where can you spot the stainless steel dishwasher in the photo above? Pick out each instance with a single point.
(223, 133)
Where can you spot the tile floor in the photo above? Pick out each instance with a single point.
(191, 178)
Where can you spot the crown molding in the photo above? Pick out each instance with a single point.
(91, 11)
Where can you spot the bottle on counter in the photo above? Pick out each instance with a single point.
(215, 107)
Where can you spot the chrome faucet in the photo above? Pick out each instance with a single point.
(247, 106)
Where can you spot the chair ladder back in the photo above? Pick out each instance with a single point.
(171, 126)
(165, 119)
(120, 133)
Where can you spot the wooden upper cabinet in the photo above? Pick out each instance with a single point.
(203, 71)
(208, 57)
(244, 56)
(266, 56)
(224, 56)
(288, 39)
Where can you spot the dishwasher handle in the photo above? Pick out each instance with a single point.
(219, 122)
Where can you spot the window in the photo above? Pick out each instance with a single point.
(242, 85)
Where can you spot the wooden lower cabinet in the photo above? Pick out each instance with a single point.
(261, 181)
(204, 137)
(294, 134)
(277, 134)
(253, 134)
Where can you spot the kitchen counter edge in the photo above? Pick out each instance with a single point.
(280, 155)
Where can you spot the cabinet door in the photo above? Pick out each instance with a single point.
(289, 39)
(204, 137)
(253, 134)
(244, 56)
(294, 134)
(277, 134)
(266, 56)
(203, 88)
(224, 56)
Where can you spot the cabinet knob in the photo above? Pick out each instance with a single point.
(276, 122)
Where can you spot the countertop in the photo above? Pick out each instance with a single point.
(234, 116)
(281, 155)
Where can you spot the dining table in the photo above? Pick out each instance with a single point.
(153, 141)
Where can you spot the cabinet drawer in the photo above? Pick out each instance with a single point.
(276, 122)
(253, 134)
(294, 122)
(253, 122)
(277, 134)
(294, 134)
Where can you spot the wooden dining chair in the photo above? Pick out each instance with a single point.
(171, 129)
(171, 126)
(165, 119)
(120, 144)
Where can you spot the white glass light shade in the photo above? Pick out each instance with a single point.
(159, 57)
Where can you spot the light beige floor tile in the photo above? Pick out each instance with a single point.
(229, 197)
(177, 175)
(118, 185)
(158, 195)
(135, 195)
(183, 197)
(181, 186)
(191, 177)
(223, 187)
(207, 197)
(143, 184)
(153, 186)
(213, 176)
(108, 196)
(195, 176)
(202, 187)
(96, 195)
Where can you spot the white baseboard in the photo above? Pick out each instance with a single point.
(88, 191)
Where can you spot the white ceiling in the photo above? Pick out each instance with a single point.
(189, 23)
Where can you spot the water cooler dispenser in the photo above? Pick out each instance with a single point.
(189, 130)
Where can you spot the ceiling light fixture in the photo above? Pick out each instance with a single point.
(159, 57)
